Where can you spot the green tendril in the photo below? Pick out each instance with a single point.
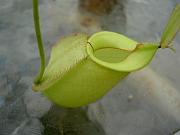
(39, 41)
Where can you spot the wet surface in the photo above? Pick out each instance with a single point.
(138, 105)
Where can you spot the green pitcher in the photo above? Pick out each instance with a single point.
(84, 68)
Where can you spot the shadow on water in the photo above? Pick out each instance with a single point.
(60, 121)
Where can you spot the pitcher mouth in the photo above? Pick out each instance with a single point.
(138, 57)
(110, 54)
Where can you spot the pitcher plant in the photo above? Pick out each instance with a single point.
(83, 68)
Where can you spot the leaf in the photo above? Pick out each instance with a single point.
(172, 28)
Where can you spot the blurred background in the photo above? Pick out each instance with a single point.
(147, 102)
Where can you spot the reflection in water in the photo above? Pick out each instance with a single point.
(60, 121)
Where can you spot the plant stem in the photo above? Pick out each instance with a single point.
(39, 41)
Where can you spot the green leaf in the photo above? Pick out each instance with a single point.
(171, 29)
